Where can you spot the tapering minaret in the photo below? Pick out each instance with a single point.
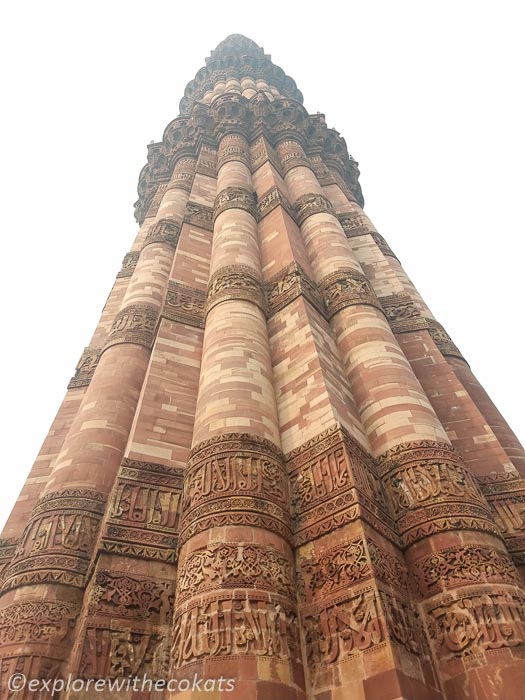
(273, 474)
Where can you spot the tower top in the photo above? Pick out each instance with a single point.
(235, 58)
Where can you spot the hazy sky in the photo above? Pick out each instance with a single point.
(428, 95)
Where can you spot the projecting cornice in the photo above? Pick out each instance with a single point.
(278, 120)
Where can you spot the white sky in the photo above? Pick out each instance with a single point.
(428, 96)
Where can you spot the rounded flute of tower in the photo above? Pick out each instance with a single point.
(441, 514)
(49, 570)
(235, 614)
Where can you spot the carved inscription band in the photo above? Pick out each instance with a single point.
(235, 282)
(57, 543)
(235, 479)
(234, 198)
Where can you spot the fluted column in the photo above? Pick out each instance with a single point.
(494, 459)
(44, 583)
(235, 613)
(439, 509)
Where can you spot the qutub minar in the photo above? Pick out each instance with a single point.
(272, 465)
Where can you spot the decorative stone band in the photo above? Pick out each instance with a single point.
(166, 231)
(184, 304)
(334, 482)
(404, 317)
(183, 174)
(472, 622)
(234, 198)
(58, 542)
(235, 479)
(8, 547)
(357, 622)
(310, 204)
(233, 282)
(121, 594)
(114, 649)
(402, 313)
(199, 215)
(505, 493)
(207, 162)
(347, 287)
(233, 147)
(347, 565)
(85, 368)
(443, 341)
(225, 565)
(44, 622)
(238, 624)
(262, 152)
(383, 245)
(290, 283)
(455, 567)
(143, 519)
(135, 324)
(356, 224)
(430, 490)
(292, 155)
(271, 201)
(128, 264)
(157, 199)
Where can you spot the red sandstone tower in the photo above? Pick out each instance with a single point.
(272, 465)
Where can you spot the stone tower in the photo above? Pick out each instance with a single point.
(272, 465)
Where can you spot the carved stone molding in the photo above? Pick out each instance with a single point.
(292, 155)
(238, 625)
(128, 264)
(476, 622)
(85, 368)
(122, 652)
(231, 117)
(344, 288)
(37, 621)
(390, 568)
(310, 204)
(166, 231)
(235, 198)
(261, 152)
(58, 541)
(356, 224)
(430, 490)
(135, 324)
(290, 283)
(162, 188)
(443, 341)
(402, 313)
(235, 565)
(233, 147)
(199, 215)
(184, 304)
(334, 482)
(143, 518)
(462, 566)
(383, 245)
(337, 568)
(183, 174)
(343, 629)
(270, 201)
(235, 478)
(8, 547)
(233, 282)
(127, 595)
(207, 163)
